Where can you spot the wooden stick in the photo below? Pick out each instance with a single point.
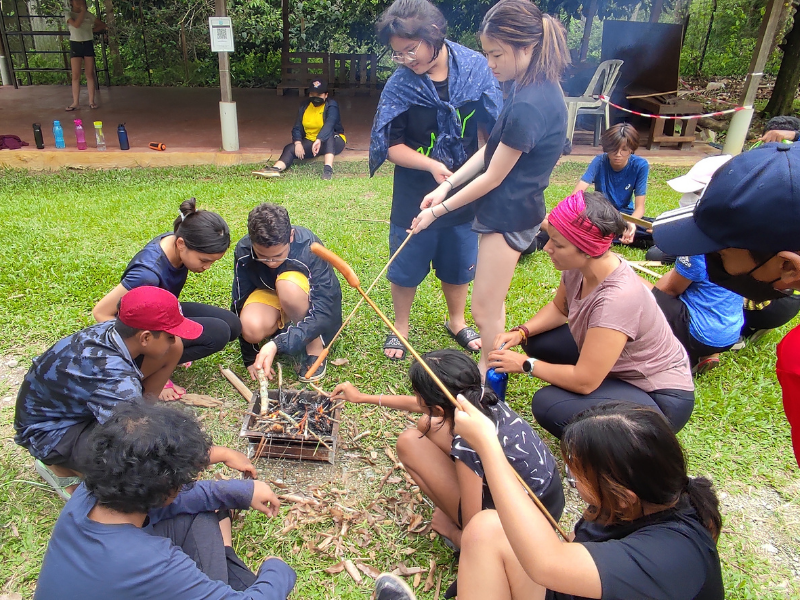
(319, 390)
(645, 270)
(652, 95)
(263, 391)
(311, 431)
(313, 368)
(636, 221)
(237, 383)
(352, 279)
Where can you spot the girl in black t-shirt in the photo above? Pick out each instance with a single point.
(444, 466)
(507, 177)
(649, 530)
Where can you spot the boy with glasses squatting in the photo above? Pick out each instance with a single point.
(283, 293)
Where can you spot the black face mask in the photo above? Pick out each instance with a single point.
(317, 101)
(745, 285)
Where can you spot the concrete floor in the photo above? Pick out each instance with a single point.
(187, 121)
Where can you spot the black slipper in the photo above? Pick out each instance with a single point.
(464, 337)
(392, 342)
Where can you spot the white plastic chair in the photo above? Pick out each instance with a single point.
(603, 82)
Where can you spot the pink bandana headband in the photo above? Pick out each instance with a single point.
(570, 221)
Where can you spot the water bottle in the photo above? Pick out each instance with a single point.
(80, 136)
(58, 133)
(98, 134)
(37, 135)
(499, 383)
(122, 134)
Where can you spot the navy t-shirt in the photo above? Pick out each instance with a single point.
(87, 559)
(151, 266)
(716, 315)
(417, 128)
(666, 555)
(533, 121)
(619, 187)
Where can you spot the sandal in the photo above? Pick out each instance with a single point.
(71, 108)
(705, 365)
(464, 337)
(93, 106)
(392, 342)
(171, 386)
(59, 484)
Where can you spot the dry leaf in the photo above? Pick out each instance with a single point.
(394, 479)
(417, 579)
(429, 580)
(414, 524)
(278, 484)
(221, 476)
(337, 568)
(14, 531)
(388, 451)
(202, 400)
(405, 571)
(438, 587)
(338, 362)
(368, 571)
(11, 596)
(407, 551)
(352, 571)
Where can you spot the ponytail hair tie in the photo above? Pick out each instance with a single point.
(182, 216)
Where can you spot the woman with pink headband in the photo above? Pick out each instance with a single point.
(602, 337)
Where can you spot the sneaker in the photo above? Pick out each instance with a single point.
(705, 365)
(757, 335)
(268, 172)
(306, 363)
(327, 172)
(59, 484)
(392, 587)
(740, 344)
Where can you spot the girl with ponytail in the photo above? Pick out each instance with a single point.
(442, 464)
(198, 240)
(649, 530)
(507, 177)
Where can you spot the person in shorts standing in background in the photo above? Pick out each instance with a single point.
(82, 27)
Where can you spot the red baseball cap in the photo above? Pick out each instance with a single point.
(151, 308)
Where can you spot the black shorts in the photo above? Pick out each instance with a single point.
(73, 451)
(677, 315)
(81, 49)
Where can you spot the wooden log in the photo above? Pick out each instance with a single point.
(237, 383)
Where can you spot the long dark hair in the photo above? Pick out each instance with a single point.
(202, 230)
(618, 447)
(413, 20)
(520, 23)
(459, 374)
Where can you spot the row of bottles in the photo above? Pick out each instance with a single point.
(80, 135)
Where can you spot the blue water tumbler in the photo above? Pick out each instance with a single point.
(498, 381)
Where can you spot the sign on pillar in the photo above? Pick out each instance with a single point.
(221, 32)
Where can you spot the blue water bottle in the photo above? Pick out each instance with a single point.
(499, 383)
(58, 133)
(122, 134)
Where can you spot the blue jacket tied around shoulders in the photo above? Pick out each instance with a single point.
(469, 80)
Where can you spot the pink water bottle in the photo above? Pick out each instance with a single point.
(80, 136)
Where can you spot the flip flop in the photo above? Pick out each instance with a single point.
(171, 386)
(705, 365)
(464, 337)
(392, 342)
(71, 108)
(93, 106)
(59, 484)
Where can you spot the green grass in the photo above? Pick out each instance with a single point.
(67, 237)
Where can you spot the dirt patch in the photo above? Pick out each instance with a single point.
(12, 372)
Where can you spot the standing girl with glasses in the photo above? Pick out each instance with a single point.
(198, 240)
(427, 124)
(506, 178)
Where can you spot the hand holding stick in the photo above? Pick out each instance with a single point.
(352, 279)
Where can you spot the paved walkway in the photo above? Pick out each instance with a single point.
(187, 121)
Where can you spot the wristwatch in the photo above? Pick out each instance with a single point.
(527, 366)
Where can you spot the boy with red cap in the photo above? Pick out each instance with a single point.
(75, 384)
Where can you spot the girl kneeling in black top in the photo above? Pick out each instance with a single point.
(649, 531)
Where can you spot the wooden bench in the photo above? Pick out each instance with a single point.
(346, 73)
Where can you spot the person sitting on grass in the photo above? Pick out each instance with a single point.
(649, 530)
(318, 128)
(603, 336)
(76, 384)
(198, 240)
(706, 318)
(621, 177)
(284, 292)
(443, 465)
(141, 526)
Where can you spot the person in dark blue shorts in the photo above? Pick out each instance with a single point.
(198, 240)
(427, 124)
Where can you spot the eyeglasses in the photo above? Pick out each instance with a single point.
(403, 57)
(569, 477)
(271, 259)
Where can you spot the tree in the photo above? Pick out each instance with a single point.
(783, 94)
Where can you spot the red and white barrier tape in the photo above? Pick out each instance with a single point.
(672, 117)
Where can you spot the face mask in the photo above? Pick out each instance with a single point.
(317, 101)
(745, 285)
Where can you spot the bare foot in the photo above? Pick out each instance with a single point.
(445, 526)
(171, 393)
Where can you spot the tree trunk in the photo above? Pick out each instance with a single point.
(285, 20)
(785, 90)
(113, 40)
(655, 11)
(587, 30)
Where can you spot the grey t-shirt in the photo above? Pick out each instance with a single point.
(82, 33)
(653, 358)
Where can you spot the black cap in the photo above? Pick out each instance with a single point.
(319, 85)
(752, 202)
